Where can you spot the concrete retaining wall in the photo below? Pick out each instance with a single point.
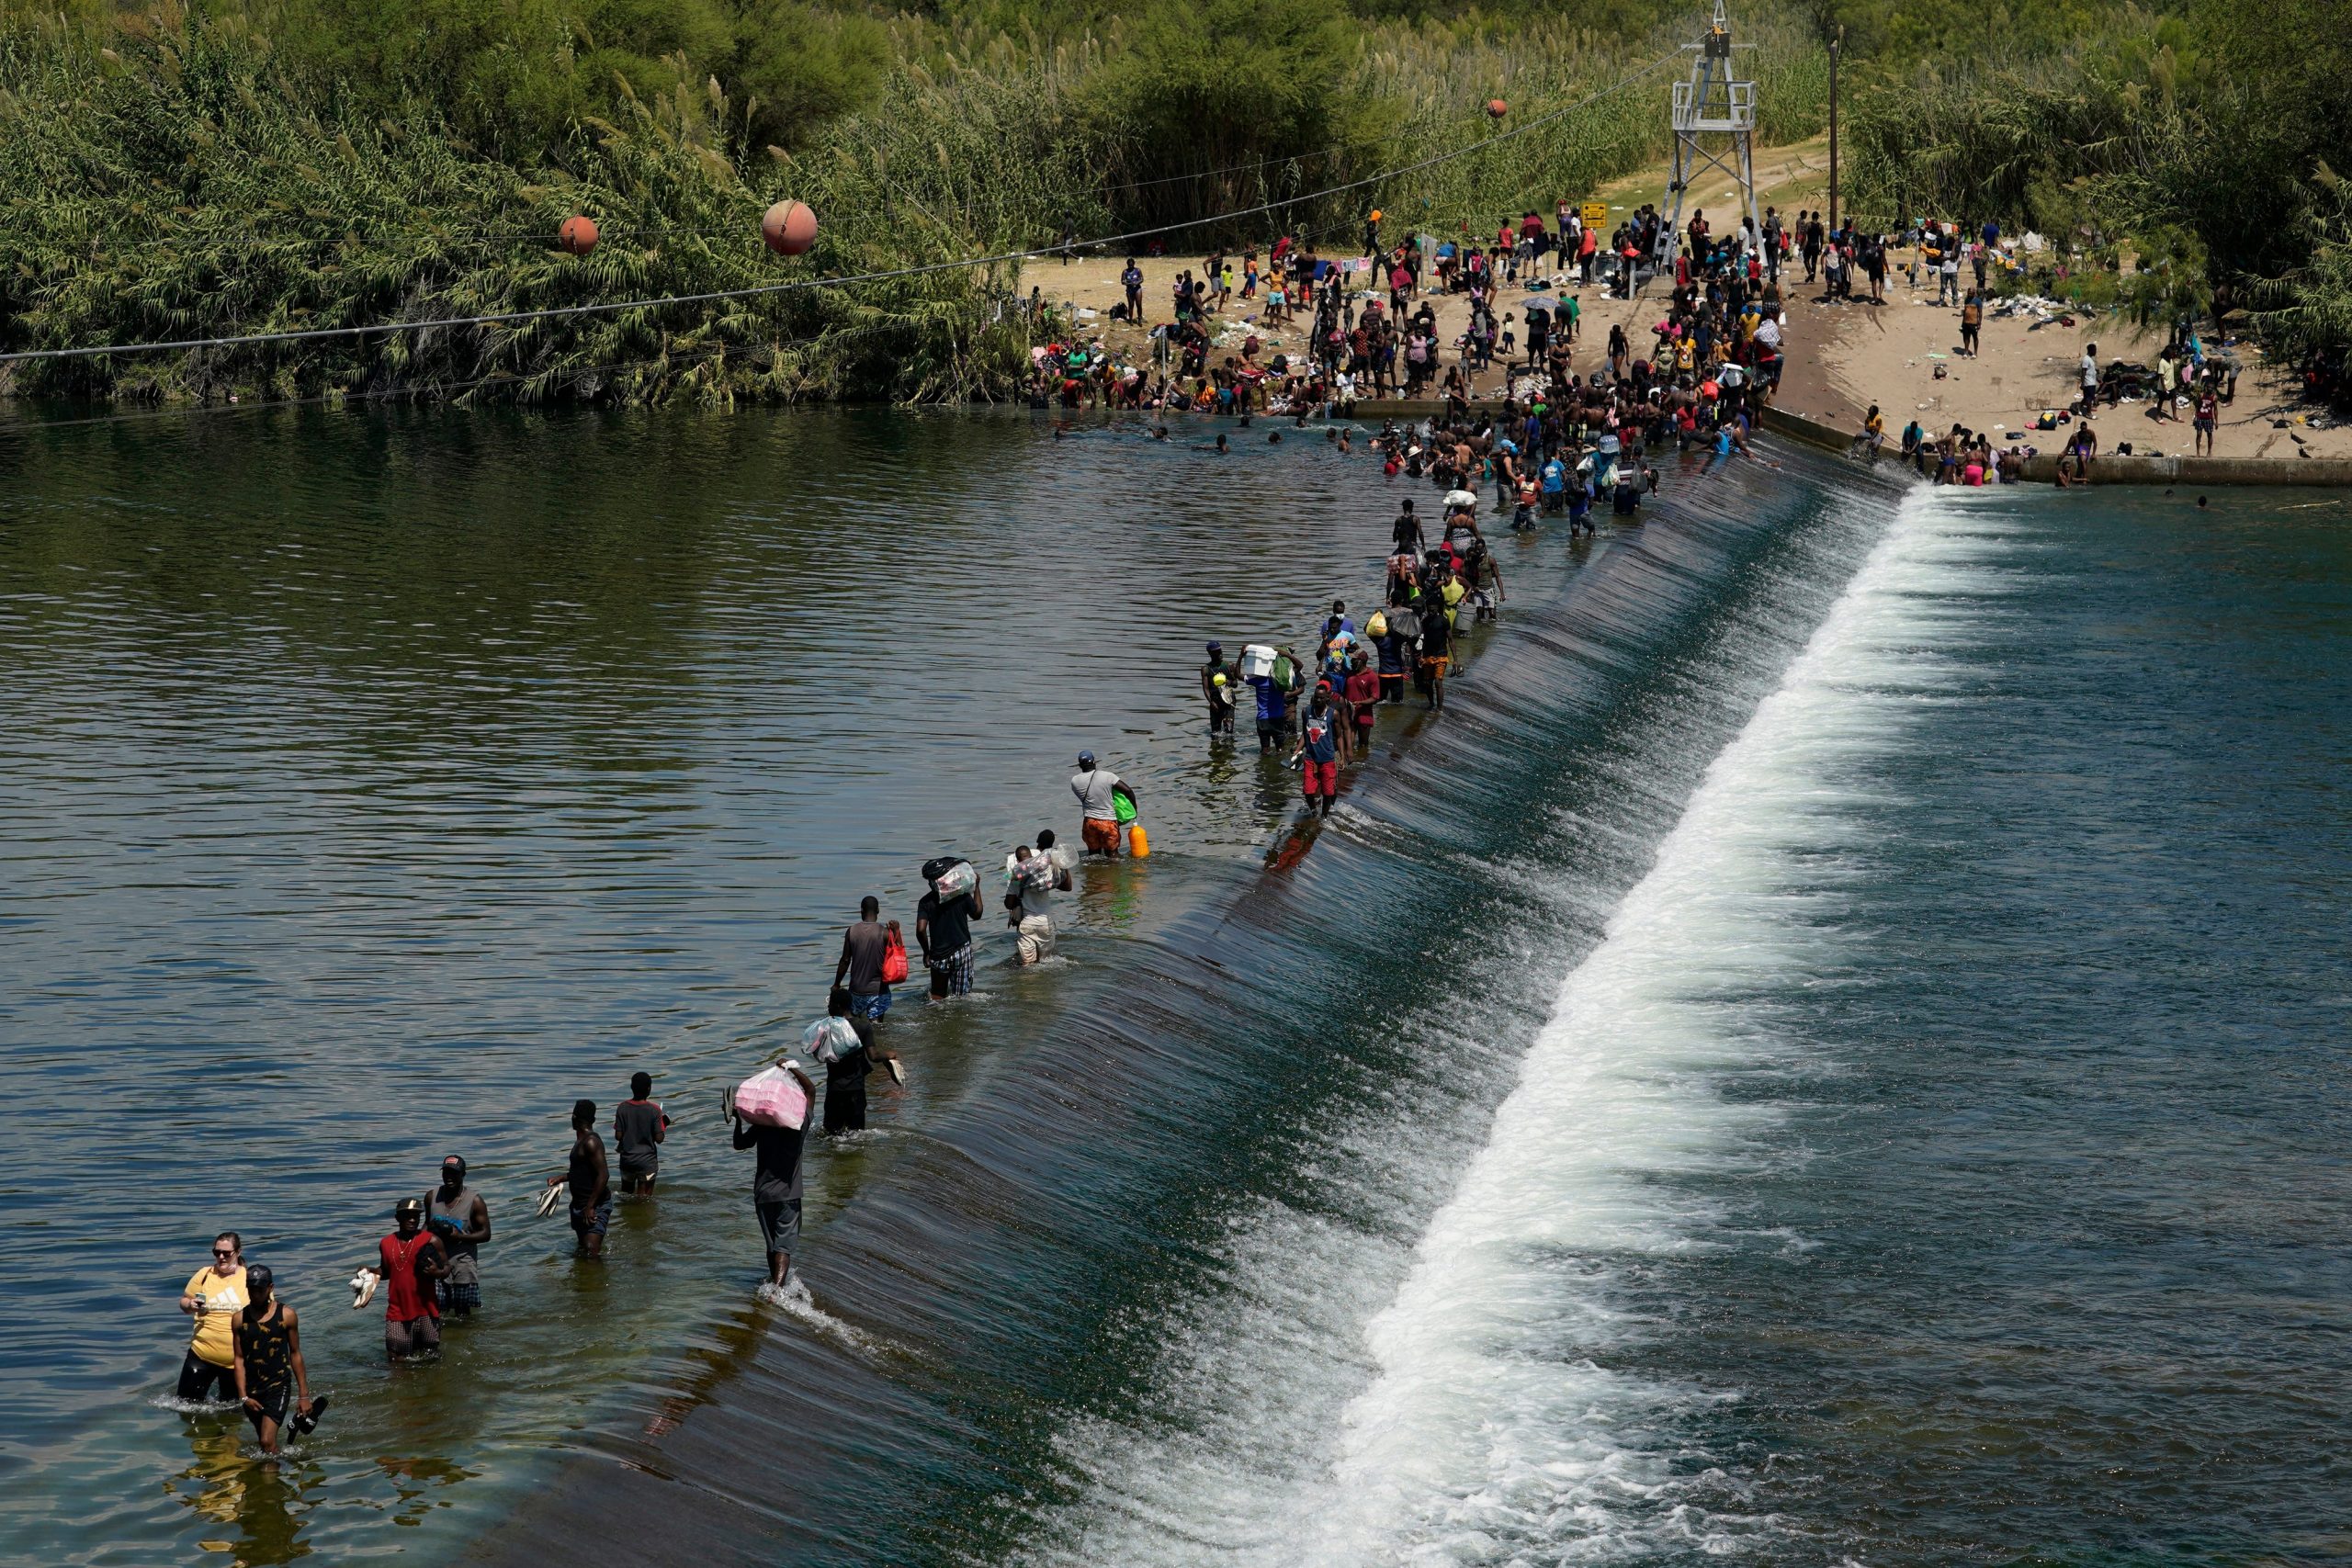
(2217, 472)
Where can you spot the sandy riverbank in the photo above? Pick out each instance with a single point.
(1841, 356)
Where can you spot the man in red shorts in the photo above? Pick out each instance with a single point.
(1318, 753)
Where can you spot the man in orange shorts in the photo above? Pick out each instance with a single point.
(1093, 787)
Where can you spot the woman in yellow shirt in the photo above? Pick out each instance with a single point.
(215, 1296)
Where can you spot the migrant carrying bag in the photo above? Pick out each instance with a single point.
(772, 1097)
(831, 1040)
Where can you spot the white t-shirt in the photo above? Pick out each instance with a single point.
(1038, 898)
(2091, 370)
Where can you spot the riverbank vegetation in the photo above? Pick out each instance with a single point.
(2198, 143)
(217, 168)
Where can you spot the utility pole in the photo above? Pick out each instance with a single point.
(1833, 44)
(1709, 105)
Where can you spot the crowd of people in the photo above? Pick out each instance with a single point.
(1564, 440)
(1372, 328)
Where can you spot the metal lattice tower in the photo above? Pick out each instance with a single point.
(1714, 127)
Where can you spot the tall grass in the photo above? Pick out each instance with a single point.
(170, 174)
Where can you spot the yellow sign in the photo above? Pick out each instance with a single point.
(1595, 212)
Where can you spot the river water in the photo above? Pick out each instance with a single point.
(1830, 1049)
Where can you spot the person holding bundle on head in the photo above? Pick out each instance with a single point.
(843, 1043)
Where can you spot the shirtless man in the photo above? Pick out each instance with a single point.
(590, 1180)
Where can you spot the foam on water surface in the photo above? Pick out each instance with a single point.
(1314, 1410)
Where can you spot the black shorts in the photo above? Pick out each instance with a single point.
(199, 1378)
(779, 1223)
(846, 1107)
(273, 1402)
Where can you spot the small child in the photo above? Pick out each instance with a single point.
(1510, 338)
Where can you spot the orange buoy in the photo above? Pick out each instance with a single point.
(1496, 107)
(578, 235)
(789, 228)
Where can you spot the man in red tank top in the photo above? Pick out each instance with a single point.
(409, 1260)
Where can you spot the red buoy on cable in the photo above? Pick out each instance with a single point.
(789, 228)
(1496, 107)
(578, 235)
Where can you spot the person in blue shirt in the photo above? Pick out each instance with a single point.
(1274, 707)
(1580, 504)
(1318, 753)
(1394, 646)
(1554, 479)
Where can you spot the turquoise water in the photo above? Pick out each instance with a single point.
(1830, 1050)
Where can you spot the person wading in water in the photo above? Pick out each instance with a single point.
(590, 1178)
(268, 1349)
(459, 1220)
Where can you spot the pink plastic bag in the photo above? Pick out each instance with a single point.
(772, 1097)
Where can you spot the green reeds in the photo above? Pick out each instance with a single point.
(169, 175)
